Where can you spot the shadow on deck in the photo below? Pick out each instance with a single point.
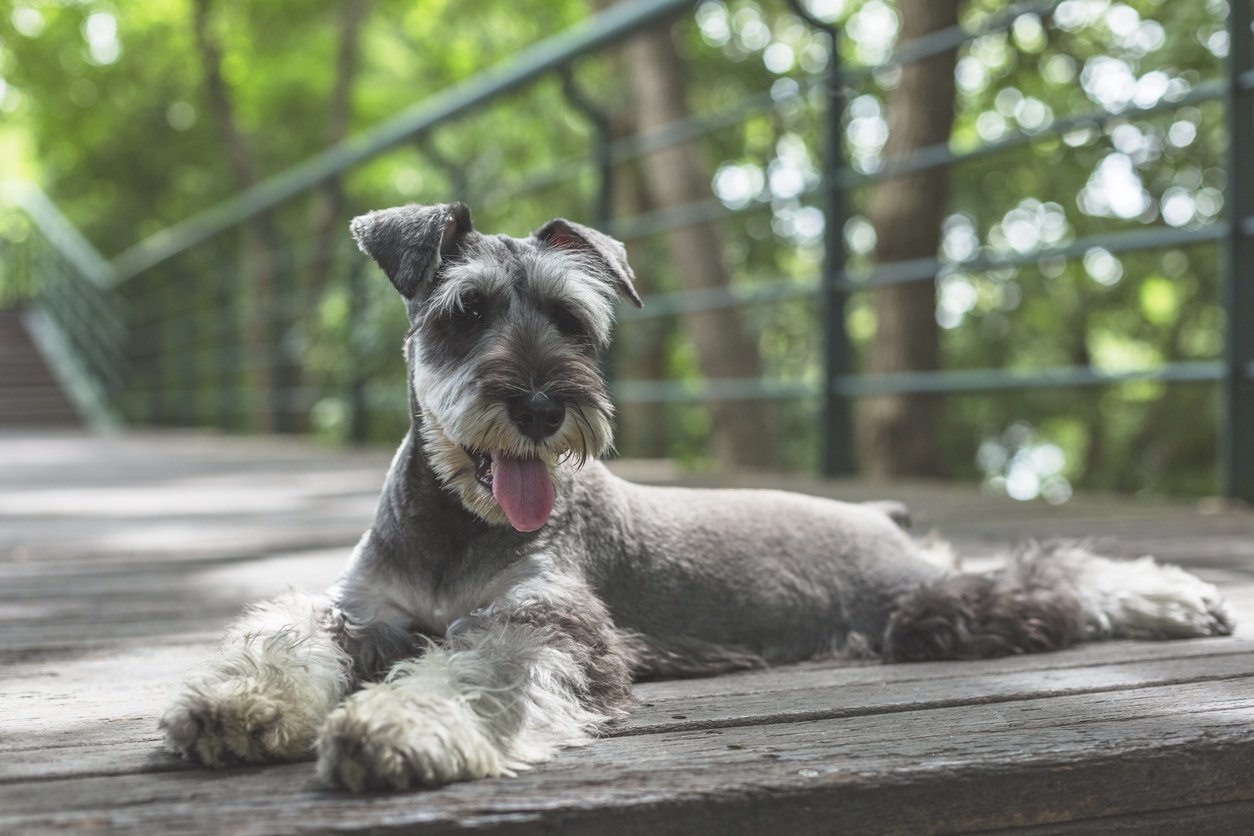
(122, 558)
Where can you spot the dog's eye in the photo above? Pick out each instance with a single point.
(567, 322)
(470, 309)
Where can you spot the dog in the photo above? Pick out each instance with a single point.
(511, 588)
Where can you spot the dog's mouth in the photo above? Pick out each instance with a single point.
(522, 487)
(483, 467)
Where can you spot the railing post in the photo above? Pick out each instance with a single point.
(603, 213)
(837, 429)
(187, 385)
(227, 368)
(283, 375)
(456, 171)
(1237, 444)
(162, 344)
(358, 415)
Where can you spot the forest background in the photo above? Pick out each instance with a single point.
(136, 115)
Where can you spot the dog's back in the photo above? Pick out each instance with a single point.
(746, 574)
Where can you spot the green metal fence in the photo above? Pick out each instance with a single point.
(164, 365)
(77, 321)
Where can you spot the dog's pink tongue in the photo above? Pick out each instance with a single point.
(524, 491)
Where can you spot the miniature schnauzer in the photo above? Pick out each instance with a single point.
(511, 588)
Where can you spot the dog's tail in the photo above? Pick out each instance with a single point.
(1048, 597)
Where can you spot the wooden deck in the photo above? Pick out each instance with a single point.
(121, 560)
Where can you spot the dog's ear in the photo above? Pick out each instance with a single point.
(611, 255)
(408, 242)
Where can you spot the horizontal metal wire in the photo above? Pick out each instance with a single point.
(701, 125)
(903, 272)
(676, 132)
(934, 156)
(948, 39)
(715, 298)
(941, 154)
(927, 269)
(296, 400)
(992, 380)
(952, 381)
(730, 389)
(919, 49)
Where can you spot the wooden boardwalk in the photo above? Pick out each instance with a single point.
(122, 559)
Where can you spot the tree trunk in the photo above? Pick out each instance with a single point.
(741, 433)
(327, 222)
(642, 430)
(326, 211)
(260, 241)
(899, 435)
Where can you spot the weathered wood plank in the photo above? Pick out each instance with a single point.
(120, 563)
(1026, 762)
(1230, 819)
(68, 725)
(832, 701)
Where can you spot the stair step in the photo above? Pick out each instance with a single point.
(29, 393)
(43, 419)
(24, 376)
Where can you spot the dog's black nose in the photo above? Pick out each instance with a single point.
(537, 415)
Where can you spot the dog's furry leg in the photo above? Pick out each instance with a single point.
(537, 670)
(280, 672)
(1048, 598)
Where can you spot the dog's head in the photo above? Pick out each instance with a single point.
(502, 349)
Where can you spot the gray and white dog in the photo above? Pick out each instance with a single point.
(511, 588)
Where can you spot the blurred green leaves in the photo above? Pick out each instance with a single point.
(104, 104)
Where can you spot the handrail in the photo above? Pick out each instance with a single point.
(947, 381)
(73, 322)
(59, 232)
(172, 347)
(554, 53)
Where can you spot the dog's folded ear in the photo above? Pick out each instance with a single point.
(408, 242)
(609, 254)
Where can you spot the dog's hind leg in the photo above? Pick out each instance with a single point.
(281, 670)
(1048, 598)
(537, 670)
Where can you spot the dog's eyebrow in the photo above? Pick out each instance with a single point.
(478, 273)
(569, 279)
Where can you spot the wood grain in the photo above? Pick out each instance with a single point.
(119, 567)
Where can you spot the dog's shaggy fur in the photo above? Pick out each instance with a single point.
(511, 588)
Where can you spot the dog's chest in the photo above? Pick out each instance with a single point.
(429, 595)
(432, 608)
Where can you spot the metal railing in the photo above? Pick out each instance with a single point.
(1237, 433)
(182, 369)
(74, 315)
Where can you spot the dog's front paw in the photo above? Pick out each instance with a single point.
(395, 736)
(253, 719)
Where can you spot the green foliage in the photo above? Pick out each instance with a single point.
(122, 137)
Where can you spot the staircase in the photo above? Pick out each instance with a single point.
(30, 395)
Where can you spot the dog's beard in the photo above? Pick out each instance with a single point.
(499, 474)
